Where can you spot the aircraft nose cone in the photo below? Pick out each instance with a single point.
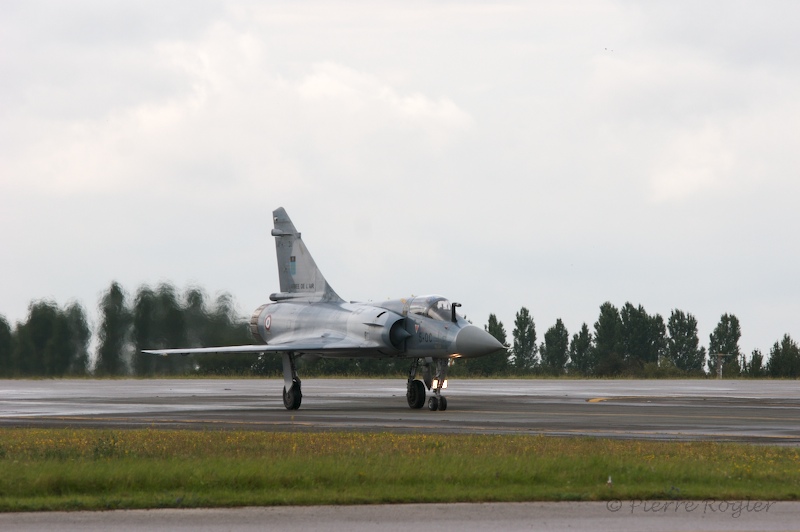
(472, 341)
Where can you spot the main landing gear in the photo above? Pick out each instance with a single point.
(292, 395)
(415, 390)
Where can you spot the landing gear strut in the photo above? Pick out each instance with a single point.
(438, 401)
(292, 394)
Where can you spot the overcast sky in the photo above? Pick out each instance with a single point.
(553, 155)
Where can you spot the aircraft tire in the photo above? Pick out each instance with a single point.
(442, 404)
(292, 398)
(416, 394)
(433, 404)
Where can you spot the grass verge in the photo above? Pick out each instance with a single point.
(68, 469)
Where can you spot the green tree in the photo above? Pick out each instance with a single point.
(374, 367)
(682, 345)
(642, 337)
(7, 368)
(784, 359)
(555, 348)
(581, 358)
(223, 327)
(114, 332)
(524, 334)
(159, 322)
(269, 364)
(608, 341)
(52, 342)
(196, 318)
(172, 329)
(36, 342)
(725, 340)
(76, 339)
(144, 333)
(755, 368)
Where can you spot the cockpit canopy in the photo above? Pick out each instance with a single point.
(433, 306)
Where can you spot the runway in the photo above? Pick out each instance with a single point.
(758, 411)
(738, 410)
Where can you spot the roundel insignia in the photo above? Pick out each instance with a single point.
(268, 321)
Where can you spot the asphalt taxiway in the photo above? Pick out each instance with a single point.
(759, 411)
(627, 516)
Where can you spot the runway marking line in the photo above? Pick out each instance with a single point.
(478, 429)
(166, 421)
(628, 414)
(638, 398)
(480, 412)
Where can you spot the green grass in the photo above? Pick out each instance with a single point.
(66, 469)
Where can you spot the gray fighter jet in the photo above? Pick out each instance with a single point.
(307, 318)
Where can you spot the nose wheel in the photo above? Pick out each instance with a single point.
(437, 403)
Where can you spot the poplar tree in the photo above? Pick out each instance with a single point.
(524, 341)
(683, 344)
(114, 332)
(608, 341)
(6, 346)
(555, 348)
(725, 340)
(223, 327)
(144, 333)
(77, 338)
(52, 342)
(755, 368)
(37, 338)
(642, 337)
(581, 356)
(784, 359)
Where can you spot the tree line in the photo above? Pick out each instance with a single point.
(55, 342)
(627, 341)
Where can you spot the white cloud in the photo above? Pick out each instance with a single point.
(233, 106)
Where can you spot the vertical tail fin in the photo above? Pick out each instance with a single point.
(298, 273)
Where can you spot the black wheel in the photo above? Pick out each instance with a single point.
(416, 394)
(292, 398)
(442, 404)
(433, 403)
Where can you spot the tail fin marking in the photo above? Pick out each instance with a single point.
(297, 271)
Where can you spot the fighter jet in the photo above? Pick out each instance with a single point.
(308, 318)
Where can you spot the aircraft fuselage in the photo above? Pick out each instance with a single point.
(414, 327)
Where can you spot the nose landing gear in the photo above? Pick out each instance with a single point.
(415, 390)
